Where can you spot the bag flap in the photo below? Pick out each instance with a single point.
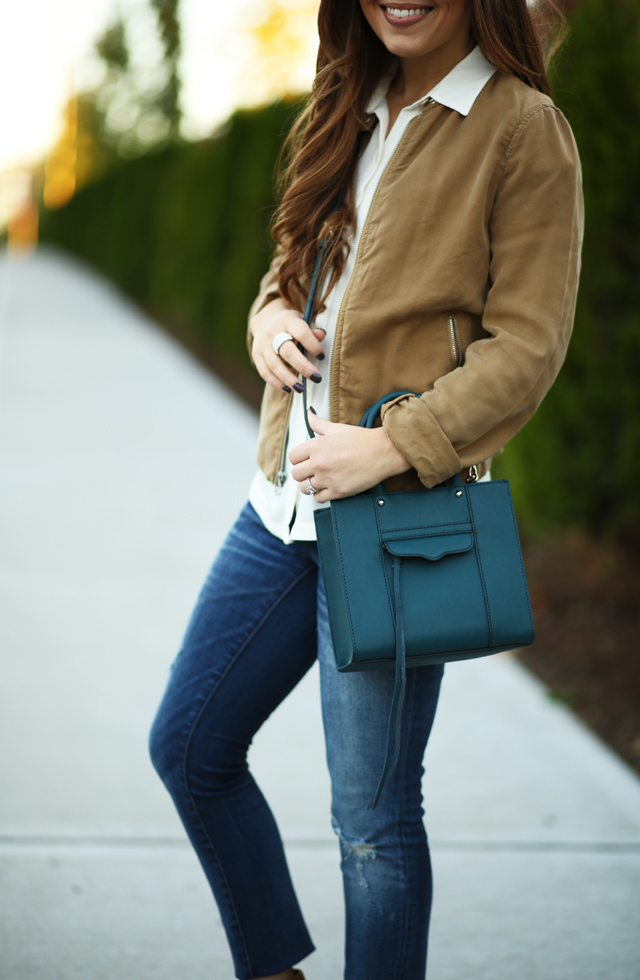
(430, 547)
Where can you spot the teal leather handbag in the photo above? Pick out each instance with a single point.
(421, 577)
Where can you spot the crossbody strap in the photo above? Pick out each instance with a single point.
(309, 311)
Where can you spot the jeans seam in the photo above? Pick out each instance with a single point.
(406, 925)
(194, 724)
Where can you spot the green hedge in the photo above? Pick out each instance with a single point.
(184, 232)
(577, 462)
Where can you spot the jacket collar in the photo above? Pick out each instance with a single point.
(458, 90)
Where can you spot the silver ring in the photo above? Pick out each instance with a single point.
(279, 340)
(310, 488)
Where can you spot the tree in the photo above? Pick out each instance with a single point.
(168, 99)
(136, 105)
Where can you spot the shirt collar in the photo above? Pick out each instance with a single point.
(458, 90)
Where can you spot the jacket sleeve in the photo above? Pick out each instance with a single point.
(535, 230)
(267, 292)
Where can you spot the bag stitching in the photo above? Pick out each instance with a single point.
(458, 551)
(482, 579)
(384, 571)
(346, 593)
(438, 534)
(421, 527)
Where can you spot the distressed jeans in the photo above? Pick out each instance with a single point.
(259, 624)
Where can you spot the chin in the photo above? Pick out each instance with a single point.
(408, 43)
(403, 47)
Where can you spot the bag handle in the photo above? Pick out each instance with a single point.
(368, 420)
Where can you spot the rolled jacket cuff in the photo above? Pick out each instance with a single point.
(416, 433)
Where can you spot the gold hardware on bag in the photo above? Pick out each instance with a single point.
(381, 503)
(472, 474)
(458, 493)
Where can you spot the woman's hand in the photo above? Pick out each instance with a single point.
(346, 459)
(281, 370)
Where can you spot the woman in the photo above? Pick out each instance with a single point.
(447, 186)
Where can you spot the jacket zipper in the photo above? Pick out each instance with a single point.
(281, 475)
(455, 340)
(338, 330)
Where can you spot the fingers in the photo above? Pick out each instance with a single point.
(281, 370)
(302, 452)
(291, 355)
(298, 456)
(310, 337)
(289, 321)
(272, 379)
(319, 425)
(302, 470)
(276, 372)
(285, 366)
(322, 496)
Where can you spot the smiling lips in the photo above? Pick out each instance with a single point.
(405, 15)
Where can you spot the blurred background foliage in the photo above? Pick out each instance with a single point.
(577, 462)
(183, 229)
(136, 107)
(132, 110)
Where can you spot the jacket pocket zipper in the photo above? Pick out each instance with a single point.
(281, 475)
(455, 340)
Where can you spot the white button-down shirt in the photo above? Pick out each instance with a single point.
(286, 511)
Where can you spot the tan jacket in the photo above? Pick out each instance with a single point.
(464, 285)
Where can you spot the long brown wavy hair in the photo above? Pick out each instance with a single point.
(323, 146)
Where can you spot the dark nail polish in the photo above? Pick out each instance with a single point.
(298, 387)
(321, 356)
(287, 389)
(312, 409)
(316, 377)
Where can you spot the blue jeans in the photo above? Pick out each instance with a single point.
(258, 626)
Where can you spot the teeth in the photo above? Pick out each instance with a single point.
(397, 12)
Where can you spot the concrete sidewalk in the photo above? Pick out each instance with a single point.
(122, 465)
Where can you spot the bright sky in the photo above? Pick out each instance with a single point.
(44, 54)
